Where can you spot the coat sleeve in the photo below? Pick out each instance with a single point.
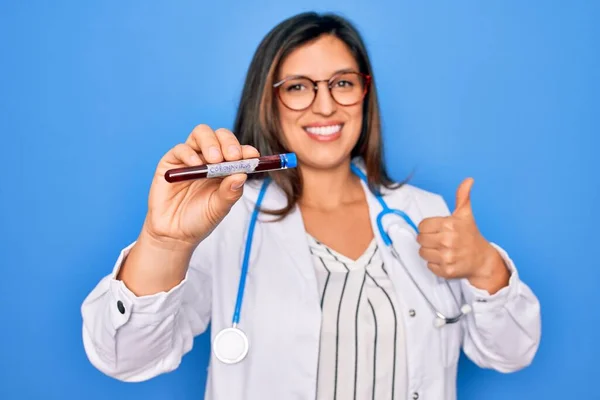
(503, 330)
(134, 338)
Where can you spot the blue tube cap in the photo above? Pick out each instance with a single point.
(290, 160)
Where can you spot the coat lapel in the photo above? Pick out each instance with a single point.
(288, 234)
(411, 267)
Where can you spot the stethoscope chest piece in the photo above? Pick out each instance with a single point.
(230, 345)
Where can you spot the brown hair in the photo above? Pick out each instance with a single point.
(257, 121)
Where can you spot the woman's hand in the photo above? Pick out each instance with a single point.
(186, 212)
(180, 215)
(454, 248)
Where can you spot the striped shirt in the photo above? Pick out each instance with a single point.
(362, 354)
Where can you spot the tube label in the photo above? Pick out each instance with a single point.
(232, 167)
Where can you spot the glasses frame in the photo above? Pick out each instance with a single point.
(366, 78)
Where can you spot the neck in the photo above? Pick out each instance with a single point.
(328, 189)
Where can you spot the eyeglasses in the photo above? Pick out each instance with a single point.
(299, 92)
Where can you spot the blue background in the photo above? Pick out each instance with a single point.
(93, 93)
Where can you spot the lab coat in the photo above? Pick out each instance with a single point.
(134, 339)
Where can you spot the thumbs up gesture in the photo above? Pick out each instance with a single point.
(454, 248)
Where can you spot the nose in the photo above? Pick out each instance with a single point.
(324, 104)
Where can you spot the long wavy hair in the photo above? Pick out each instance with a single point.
(257, 121)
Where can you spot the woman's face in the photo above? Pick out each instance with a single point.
(324, 134)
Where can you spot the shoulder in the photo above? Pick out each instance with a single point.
(415, 193)
(407, 195)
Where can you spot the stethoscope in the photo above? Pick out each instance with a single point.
(231, 345)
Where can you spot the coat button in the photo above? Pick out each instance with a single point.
(412, 313)
(415, 396)
(120, 307)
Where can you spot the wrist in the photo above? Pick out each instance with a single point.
(155, 265)
(491, 274)
(152, 240)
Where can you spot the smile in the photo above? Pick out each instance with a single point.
(329, 130)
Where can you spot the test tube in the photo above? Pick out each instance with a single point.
(246, 166)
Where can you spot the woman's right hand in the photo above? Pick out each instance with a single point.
(182, 214)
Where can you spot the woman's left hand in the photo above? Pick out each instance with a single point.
(454, 248)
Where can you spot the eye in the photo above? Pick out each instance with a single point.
(295, 87)
(344, 83)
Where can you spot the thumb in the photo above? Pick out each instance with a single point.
(229, 191)
(463, 198)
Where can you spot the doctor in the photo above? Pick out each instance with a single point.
(328, 310)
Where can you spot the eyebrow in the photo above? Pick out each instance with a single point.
(339, 71)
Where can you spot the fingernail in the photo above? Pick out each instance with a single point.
(214, 153)
(235, 186)
(195, 159)
(234, 151)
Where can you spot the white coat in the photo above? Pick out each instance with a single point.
(135, 339)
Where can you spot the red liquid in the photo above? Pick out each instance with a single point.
(266, 163)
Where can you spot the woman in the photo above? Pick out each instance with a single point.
(329, 313)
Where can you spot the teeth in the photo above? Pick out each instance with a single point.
(324, 130)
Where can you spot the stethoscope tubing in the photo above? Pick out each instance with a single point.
(386, 210)
(234, 338)
(246, 260)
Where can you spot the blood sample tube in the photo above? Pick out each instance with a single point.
(246, 166)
